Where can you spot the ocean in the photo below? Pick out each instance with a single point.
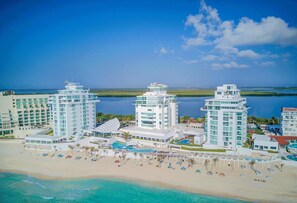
(24, 188)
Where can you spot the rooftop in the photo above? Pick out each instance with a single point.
(289, 109)
(263, 138)
(109, 126)
(283, 140)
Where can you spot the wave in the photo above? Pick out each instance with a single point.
(34, 183)
(47, 198)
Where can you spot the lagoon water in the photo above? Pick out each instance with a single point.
(23, 188)
(260, 106)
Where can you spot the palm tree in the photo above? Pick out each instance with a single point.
(282, 165)
(71, 148)
(159, 159)
(252, 164)
(126, 135)
(214, 161)
(191, 162)
(206, 162)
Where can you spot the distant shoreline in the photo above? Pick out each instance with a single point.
(185, 93)
(128, 92)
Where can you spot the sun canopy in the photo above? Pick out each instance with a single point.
(108, 127)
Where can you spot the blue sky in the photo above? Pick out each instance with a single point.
(112, 44)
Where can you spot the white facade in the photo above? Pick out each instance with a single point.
(156, 109)
(226, 118)
(74, 110)
(264, 142)
(20, 114)
(289, 121)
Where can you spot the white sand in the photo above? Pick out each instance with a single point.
(281, 187)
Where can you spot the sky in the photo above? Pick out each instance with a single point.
(129, 44)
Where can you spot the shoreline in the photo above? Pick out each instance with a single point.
(140, 182)
(14, 159)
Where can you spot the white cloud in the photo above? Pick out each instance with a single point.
(232, 64)
(164, 51)
(191, 61)
(248, 54)
(270, 30)
(206, 25)
(268, 63)
(209, 57)
(274, 56)
(227, 36)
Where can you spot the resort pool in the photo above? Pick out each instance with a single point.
(121, 146)
(292, 157)
(294, 146)
(142, 150)
(185, 141)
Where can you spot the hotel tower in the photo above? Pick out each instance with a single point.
(226, 118)
(74, 110)
(156, 109)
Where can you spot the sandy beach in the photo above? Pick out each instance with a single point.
(237, 183)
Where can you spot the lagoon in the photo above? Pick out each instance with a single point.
(190, 106)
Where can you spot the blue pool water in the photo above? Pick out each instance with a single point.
(293, 146)
(142, 150)
(185, 141)
(23, 188)
(292, 157)
(120, 146)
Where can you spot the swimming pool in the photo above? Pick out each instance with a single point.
(121, 146)
(142, 150)
(294, 146)
(292, 157)
(185, 141)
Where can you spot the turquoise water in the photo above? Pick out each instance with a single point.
(292, 157)
(23, 188)
(184, 142)
(293, 146)
(120, 145)
(142, 150)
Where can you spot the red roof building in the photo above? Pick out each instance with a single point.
(284, 140)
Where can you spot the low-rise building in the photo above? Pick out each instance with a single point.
(22, 114)
(264, 142)
(106, 130)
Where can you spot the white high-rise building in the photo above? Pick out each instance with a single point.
(289, 121)
(156, 109)
(74, 110)
(226, 118)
